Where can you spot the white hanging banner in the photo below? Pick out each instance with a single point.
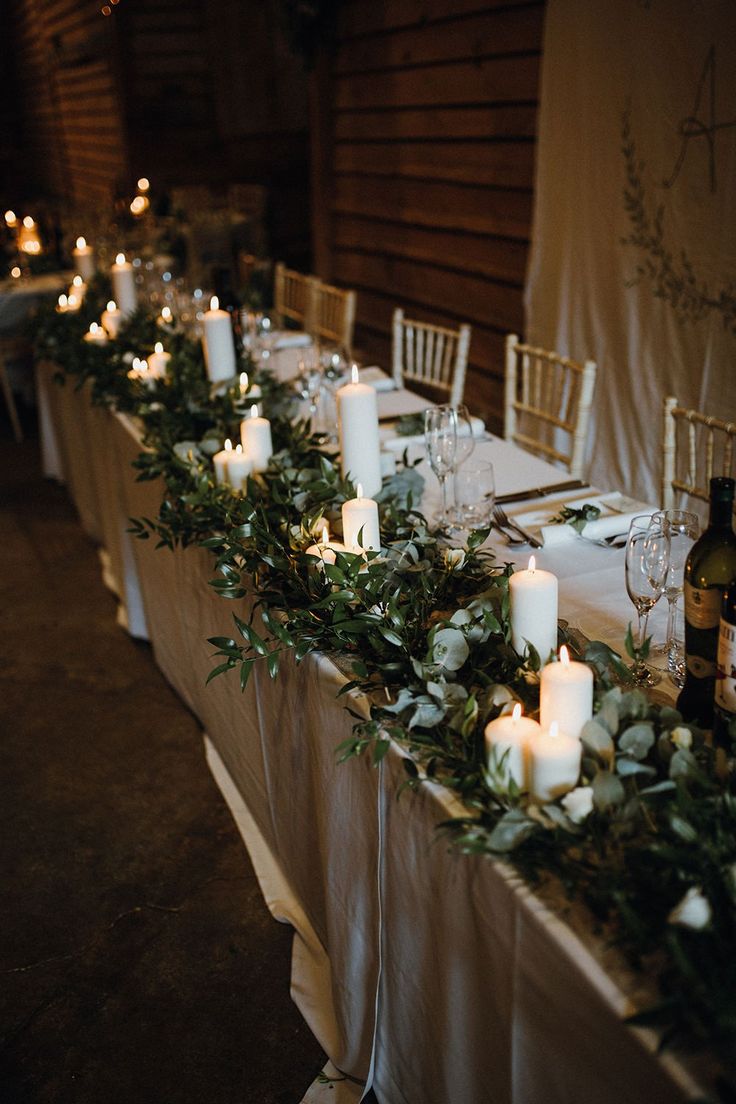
(633, 260)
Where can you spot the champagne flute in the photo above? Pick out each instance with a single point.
(440, 438)
(647, 564)
(684, 529)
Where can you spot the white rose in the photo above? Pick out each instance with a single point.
(454, 558)
(578, 803)
(682, 736)
(693, 911)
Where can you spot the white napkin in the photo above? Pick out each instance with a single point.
(389, 440)
(291, 339)
(377, 378)
(616, 513)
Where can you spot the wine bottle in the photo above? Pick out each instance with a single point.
(724, 709)
(710, 568)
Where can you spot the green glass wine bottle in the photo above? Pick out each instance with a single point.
(724, 707)
(710, 568)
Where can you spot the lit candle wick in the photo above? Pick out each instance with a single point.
(158, 347)
(325, 535)
(112, 305)
(243, 382)
(564, 656)
(214, 303)
(254, 411)
(228, 445)
(120, 259)
(554, 729)
(81, 243)
(359, 492)
(532, 564)
(516, 713)
(355, 373)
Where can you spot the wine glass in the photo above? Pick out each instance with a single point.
(440, 438)
(684, 529)
(647, 564)
(465, 438)
(309, 380)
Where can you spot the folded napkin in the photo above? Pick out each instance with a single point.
(291, 339)
(616, 513)
(377, 378)
(389, 440)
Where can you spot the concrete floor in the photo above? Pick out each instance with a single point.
(138, 961)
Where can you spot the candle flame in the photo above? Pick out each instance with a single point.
(325, 534)
(554, 729)
(359, 491)
(15, 272)
(93, 327)
(214, 303)
(158, 347)
(243, 382)
(120, 259)
(11, 218)
(355, 374)
(138, 205)
(532, 564)
(77, 281)
(28, 222)
(516, 712)
(143, 184)
(254, 411)
(228, 445)
(238, 448)
(166, 314)
(81, 243)
(62, 300)
(72, 301)
(112, 305)
(564, 655)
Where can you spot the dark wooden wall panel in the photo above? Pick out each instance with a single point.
(428, 130)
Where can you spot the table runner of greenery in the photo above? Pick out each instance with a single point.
(648, 839)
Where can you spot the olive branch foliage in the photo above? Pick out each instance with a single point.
(422, 634)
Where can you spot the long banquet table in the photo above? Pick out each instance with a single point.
(428, 976)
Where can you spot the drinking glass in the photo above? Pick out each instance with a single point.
(676, 643)
(684, 529)
(440, 438)
(647, 563)
(474, 494)
(309, 380)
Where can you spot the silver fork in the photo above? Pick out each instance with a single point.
(503, 521)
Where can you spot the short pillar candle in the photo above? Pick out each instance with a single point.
(326, 550)
(83, 258)
(255, 434)
(361, 514)
(533, 599)
(508, 740)
(112, 318)
(158, 361)
(566, 694)
(554, 764)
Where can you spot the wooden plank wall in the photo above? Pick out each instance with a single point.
(431, 119)
(67, 92)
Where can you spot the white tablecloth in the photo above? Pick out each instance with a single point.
(434, 977)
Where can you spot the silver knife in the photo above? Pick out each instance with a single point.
(543, 492)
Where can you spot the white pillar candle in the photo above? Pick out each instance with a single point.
(360, 513)
(166, 318)
(566, 694)
(83, 259)
(533, 598)
(252, 390)
(73, 302)
(28, 239)
(95, 334)
(123, 285)
(78, 288)
(511, 736)
(326, 550)
(360, 447)
(219, 346)
(220, 460)
(158, 360)
(255, 434)
(112, 318)
(239, 467)
(554, 764)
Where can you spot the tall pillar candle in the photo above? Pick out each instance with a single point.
(360, 447)
(508, 742)
(255, 434)
(533, 598)
(566, 695)
(361, 514)
(554, 764)
(83, 259)
(123, 285)
(219, 347)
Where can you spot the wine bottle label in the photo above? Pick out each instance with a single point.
(726, 673)
(702, 606)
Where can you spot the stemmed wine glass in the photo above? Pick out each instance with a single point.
(647, 564)
(465, 447)
(309, 380)
(683, 528)
(440, 438)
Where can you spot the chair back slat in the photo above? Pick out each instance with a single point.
(547, 403)
(696, 447)
(434, 356)
(332, 314)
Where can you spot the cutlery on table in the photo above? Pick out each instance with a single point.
(503, 521)
(542, 492)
